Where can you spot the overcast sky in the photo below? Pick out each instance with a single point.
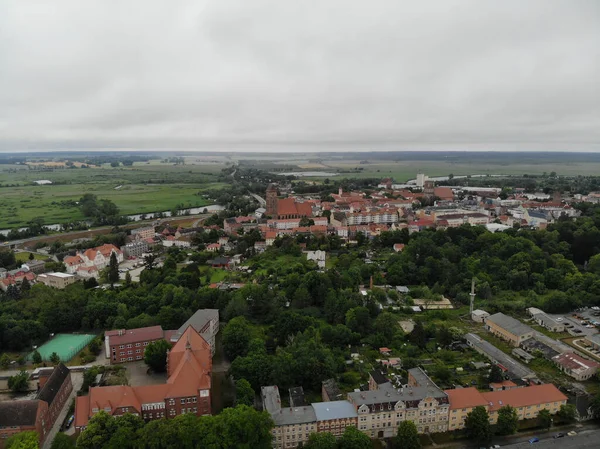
(253, 74)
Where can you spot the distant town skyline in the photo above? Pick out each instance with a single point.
(282, 76)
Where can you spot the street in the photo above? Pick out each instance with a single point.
(583, 440)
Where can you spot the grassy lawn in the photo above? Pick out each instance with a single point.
(24, 256)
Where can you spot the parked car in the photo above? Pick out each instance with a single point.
(558, 435)
(495, 446)
(572, 433)
(70, 421)
(534, 440)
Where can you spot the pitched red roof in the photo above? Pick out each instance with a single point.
(524, 397)
(465, 398)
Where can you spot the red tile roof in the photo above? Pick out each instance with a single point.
(135, 335)
(574, 362)
(465, 398)
(523, 397)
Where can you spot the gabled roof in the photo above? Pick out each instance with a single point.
(126, 336)
(18, 413)
(190, 340)
(509, 324)
(53, 384)
(524, 397)
(113, 397)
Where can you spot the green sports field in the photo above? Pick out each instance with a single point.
(65, 345)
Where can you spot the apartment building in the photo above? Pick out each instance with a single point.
(293, 426)
(508, 328)
(187, 390)
(527, 401)
(335, 416)
(381, 411)
(374, 216)
(144, 233)
(97, 258)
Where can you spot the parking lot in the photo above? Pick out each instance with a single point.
(573, 322)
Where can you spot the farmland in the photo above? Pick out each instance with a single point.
(142, 188)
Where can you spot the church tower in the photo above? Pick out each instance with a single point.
(271, 201)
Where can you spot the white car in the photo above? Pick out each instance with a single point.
(560, 318)
(572, 433)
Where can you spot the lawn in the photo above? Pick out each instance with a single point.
(24, 256)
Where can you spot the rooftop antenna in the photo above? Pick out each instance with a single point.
(472, 295)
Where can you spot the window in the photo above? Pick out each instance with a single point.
(204, 393)
(121, 346)
(183, 400)
(194, 399)
(129, 346)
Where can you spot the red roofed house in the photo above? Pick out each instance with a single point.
(398, 247)
(187, 390)
(213, 247)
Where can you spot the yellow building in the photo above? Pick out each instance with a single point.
(508, 328)
(527, 401)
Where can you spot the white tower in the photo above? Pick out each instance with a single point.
(421, 178)
(472, 295)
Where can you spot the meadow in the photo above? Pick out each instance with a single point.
(141, 188)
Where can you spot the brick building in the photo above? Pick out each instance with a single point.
(39, 414)
(189, 366)
(128, 345)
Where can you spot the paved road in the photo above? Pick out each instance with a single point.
(260, 200)
(584, 440)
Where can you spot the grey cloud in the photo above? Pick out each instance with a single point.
(390, 74)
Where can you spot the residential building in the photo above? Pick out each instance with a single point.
(144, 233)
(98, 257)
(57, 280)
(317, 256)
(38, 414)
(205, 322)
(330, 391)
(508, 328)
(297, 397)
(504, 385)
(381, 411)
(576, 366)
(293, 426)
(129, 345)
(376, 378)
(335, 416)
(527, 401)
(462, 402)
(213, 247)
(509, 366)
(34, 266)
(188, 388)
(136, 248)
(271, 400)
(398, 247)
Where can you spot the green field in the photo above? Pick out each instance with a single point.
(404, 170)
(142, 188)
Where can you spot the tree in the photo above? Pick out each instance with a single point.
(23, 440)
(567, 413)
(352, 438)
(127, 279)
(236, 338)
(508, 420)
(31, 256)
(595, 406)
(244, 394)
(54, 358)
(244, 428)
(113, 269)
(407, 437)
(4, 361)
(104, 431)
(25, 285)
(62, 441)
(19, 382)
(495, 374)
(477, 425)
(545, 419)
(155, 355)
(324, 440)
(418, 335)
(36, 357)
